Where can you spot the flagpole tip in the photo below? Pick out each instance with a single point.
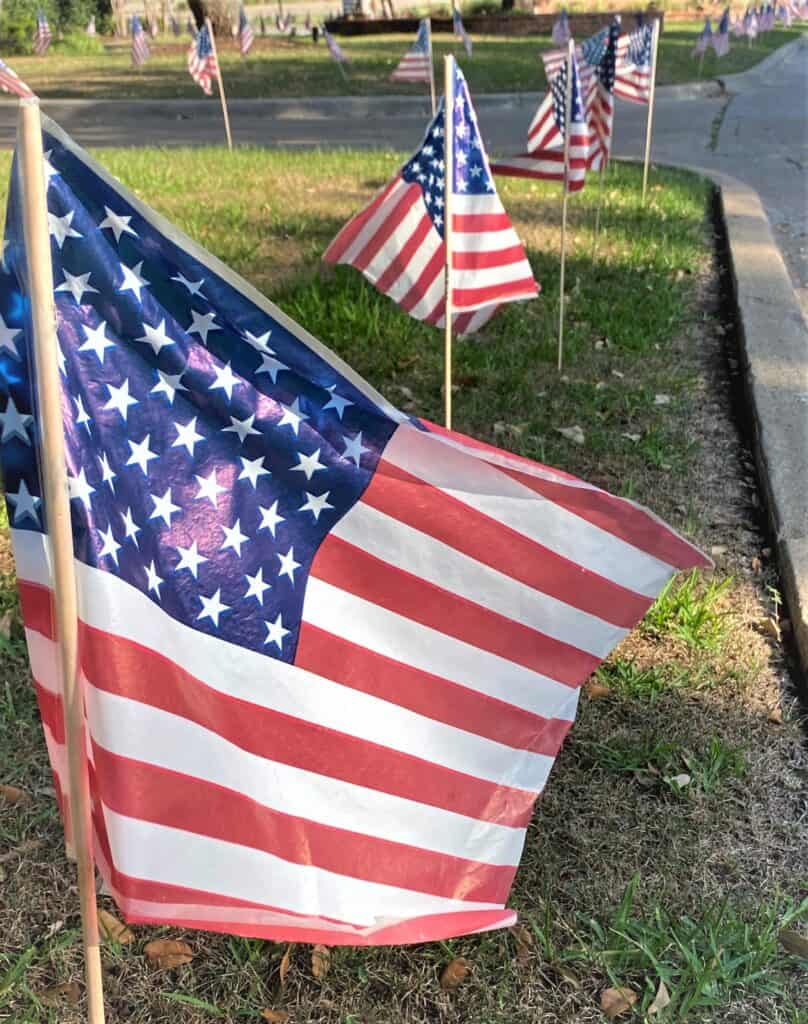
(29, 101)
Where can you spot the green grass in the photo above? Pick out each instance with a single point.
(282, 68)
(691, 612)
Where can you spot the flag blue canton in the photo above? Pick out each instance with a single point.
(639, 47)
(204, 46)
(421, 44)
(472, 175)
(607, 68)
(559, 91)
(593, 48)
(209, 449)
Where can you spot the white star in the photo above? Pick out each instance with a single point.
(336, 402)
(234, 538)
(316, 503)
(25, 504)
(308, 464)
(251, 469)
(14, 423)
(7, 336)
(476, 171)
(154, 581)
(96, 342)
(354, 449)
(79, 487)
(110, 547)
(132, 281)
(259, 341)
(164, 508)
(242, 427)
(209, 488)
(156, 337)
(140, 455)
(131, 529)
(270, 518)
(120, 399)
(225, 379)
(76, 284)
(82, 416)
(187, 435)
(194, 287)
(202, 324)
(288, 564)
(212, 608)
(292, 416)
(117, 223)
(107, 472)
(50, 170)
(276, 632)
(272, 366)
(60, 227)
(190, 559)
(167, 384)
(256, 586)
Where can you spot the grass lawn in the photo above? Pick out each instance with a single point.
(281, 68)
(669, 843)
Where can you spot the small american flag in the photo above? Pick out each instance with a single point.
(398, 240)
(704, 39)
(245, 33)
(334, 48)
(328, 653)
(561, 29)
(42, 34)
(544, 158)
(460, 31)
(633, 72)
(750, 24)
(416, 64)
(10, 82)
(600, 107)
(201, 61)
(90, 30)
(140, 47)
(721, 37)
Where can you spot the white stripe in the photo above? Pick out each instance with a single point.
(482, 486)
(138, 731)
(372, 226)
(392, 247)
(484, 204)
(420, 258)
(474, 241)
(404, 640)
(487, 277)
(174, 857)
(432, 296)
(445, 567)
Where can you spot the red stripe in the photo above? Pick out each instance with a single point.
(150, 793)
(401, 260)
(437, 514)
(426, 694)
(350, 568)
(433, 268)
(521, 288)
(483, 259)
(411, 195)
(36, 602)
(51, 711)
(477, 223)
(343, 241)
(131, 670)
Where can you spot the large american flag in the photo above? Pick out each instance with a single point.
(544, 158)
(329, 653)
(140, 46)
(245, 33)
(42, 34)
(11, 82)
(398, 240)
(202, 62)
(416, 64)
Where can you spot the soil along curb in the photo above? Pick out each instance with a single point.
(774, 343)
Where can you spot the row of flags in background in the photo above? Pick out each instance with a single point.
(749, 26)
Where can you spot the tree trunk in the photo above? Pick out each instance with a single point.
(217, 10)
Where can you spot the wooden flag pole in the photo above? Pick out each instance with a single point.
(601, 176)
(652, 96)
(222, 96)
(448, 178)
(431, 69)
(43, 318)
(567, 118)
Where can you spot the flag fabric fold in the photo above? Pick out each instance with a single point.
(416, 64)
(202, 64)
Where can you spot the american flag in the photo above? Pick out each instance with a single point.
(633, 73)
(42, 34)
(10, 82)
(201, 61)
(416, 64)
(334, 48)
(561, 29)
(600, 109)
(90, 30)
(398, 240)
(140, 47)
(705, 38)
(750, 24)
(460, 31)
(245, 33)
(328, 653)
(721, 37)
(544, 158)
(785, 15)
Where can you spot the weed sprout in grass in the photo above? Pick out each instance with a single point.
(691, 612)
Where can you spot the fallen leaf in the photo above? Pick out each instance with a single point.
(634, 438)
(523, 940)
(775, 716)
(662, 399)
(661, 999)
(168, 953)
(68, 992)
(794, 943)
(286, 962)
(681, 780)
(454, 973)
(320, 961)
(275, 1016)
(596, 691)
(574, 434)
(13, 795)
(614, 1001)
(114, 930)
